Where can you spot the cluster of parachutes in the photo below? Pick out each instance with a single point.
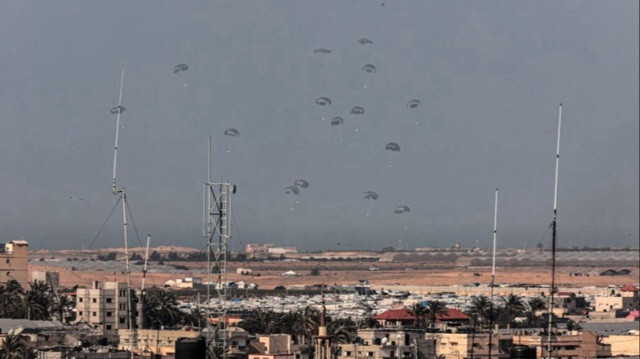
(297, 185)
(325, 101)
(335, 121)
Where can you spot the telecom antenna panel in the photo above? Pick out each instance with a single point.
(217, 231)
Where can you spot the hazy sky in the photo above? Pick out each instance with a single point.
(489, 75)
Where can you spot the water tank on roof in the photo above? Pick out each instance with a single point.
(191, 348)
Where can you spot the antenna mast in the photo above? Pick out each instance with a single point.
(123, 196)
(493, 271)
(553, 239)
(217, 230)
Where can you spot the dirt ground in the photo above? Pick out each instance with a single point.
(269, 274)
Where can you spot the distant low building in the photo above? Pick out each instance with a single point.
(52, 279)
(254, 249)
(624, 300)
(282, 250)
(183, 283)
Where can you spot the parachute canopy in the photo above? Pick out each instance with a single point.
(180, 68)
(301, 183)
(336, 121)
(323, 101)
(118, 109)
(370, 195)
(291, 190)
(232, 132)
(402, 209)
(357, 110)
(321, 50)
(392, 146)
(364, 41)
(369, 68)
(414, 104)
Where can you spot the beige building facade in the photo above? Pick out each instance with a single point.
(105, 306)
(575, 345)
(472, 345)
(14, 262)
(153, 341)
(388, 343)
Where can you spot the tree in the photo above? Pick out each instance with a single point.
(436, 308)
(11, 297)
(536, 304)
(343, 330)
(571, 326)
(11, 347)
(512, 306)
(419, 313)
(162, 307)
(38, 301)
(481, 309)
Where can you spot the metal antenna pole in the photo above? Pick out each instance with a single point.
(133, 342)
(217, 230)
(493, 272)
(553, 239)
(122, 193)
(119, 111)
(143, 293)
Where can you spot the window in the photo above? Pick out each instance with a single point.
(8, 274)
(347, 354)
(109, 300)
(80, 300)
(94, 314)
(109, 327)
(8, 260)
(80, 313)
(94, 300)
(121, 320)
(370, 354)
(109, 314)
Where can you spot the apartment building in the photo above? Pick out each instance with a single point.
(626, 299)
(388, 343)
(274, 346)
(154, 341)
(583, 345)
(105, 306)
(14, 262)
(472, 345)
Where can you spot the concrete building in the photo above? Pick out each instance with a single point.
(623, 345)
(625, 300)
(387, 343)
(583, 345)
(52, 279)
(153, 341)
(282, 250)
(14, 262)
(105, 306)
(271, 347)
(183, 283)
(472, 345)
(254, 249)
